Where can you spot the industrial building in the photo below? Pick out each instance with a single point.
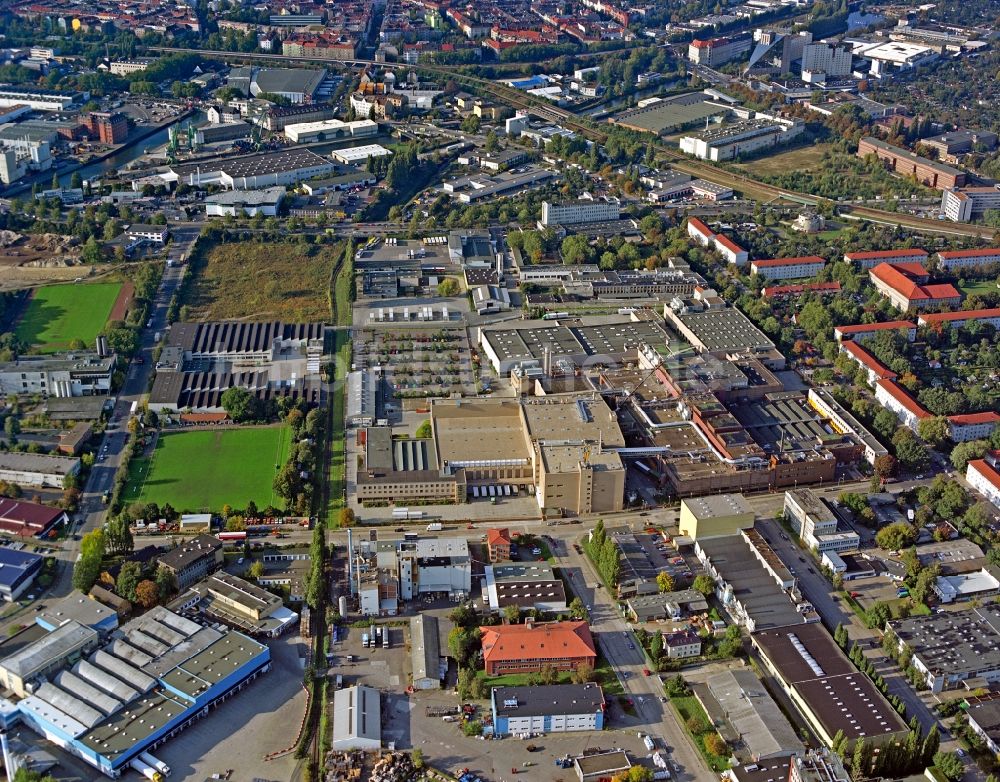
(528, 647)
(752, 582)
(18, 570)
(29, 519)
(157, 675)
(35, 469)
(955, 648)
(714, 515)
(253, 172)
(246, 203)
(527, 585)
(61, 375)
(236, 603)
(665, 605)
(724, 332)
(751, 715)
(298, 85)
(741, 138)
(983, 714)
(825, 686)
(428, 666)
(329, 130)
(905, 163)
(358, 155)
(555, 708)
(357, 719)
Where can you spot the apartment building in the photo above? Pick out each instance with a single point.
(968, 259)
(869, 259)
(579, 211)
(894, 397)
(788, 268)
(983, 476)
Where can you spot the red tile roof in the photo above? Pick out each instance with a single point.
(858, 353)
(970, 253)
(941, 291)
(772, 262)
(26, 518)
(557, 640)
(783, 290)
(498, 536)
(869, 254)
(900, 395)
(729, 244)
(700, 227)
(987, 470)
(900, 277)
(934, 317)
(970, 419)
(861, 328)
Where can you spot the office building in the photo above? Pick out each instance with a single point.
(60, 375)
(128, 67)
(193, 560)
(528, 647)
(808, 514)
(962, 204)
(778, 48)
(527, 585)
(905, 163)
(955, 648)
(822, 62)
(235, 602)
(556, 708)
(665, 605)
(498, 542)
(580, 211)
(713, 52)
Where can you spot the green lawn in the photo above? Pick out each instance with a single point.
(204, 470)
(604, 675)
(978, 287)
(58, 314)
(688, 707)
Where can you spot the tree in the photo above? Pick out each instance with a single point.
(512, 613)
(885, 466)
(128, 580)
(346, 518)
(417, 758)
(656, 646)
(634, 774)
(88, 565)
(878, 615)
(896, 537)
(462, 643)
(665, 581)
(576, 249)
(923, 584)
(840, 636)
(949, 764)
(963, 453)
(424, 431)
(118, 536)
(166, 582)
(256, 570)
(235, 524)
(715, 744)
(548, 675)
(26, 775)
(935, 431)
(696, 724)
(471, 124)
(676, 687)
(12, 428)
(146, 593)
(238, 403)
(448, 287)
(91, 252)
(583, 674)
(912, 454)
(931, 745)
(705, 584)
(577, 609)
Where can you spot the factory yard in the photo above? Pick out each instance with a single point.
(205, 469)
(285, 281)
(59, 315)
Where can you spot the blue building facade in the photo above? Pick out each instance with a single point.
(557, 708)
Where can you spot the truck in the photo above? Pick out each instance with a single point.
(364, 640)
(385, 638)
(435, 526)
(133, 408)
(415, 514)
(146, 770)
(400, 513)
(159, 765)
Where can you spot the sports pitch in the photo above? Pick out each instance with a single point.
(203, 470)
(58, 314)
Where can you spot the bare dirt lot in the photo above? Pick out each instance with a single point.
(28, 261)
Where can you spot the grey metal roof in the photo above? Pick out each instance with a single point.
(425, 647)
(69, 704)
(357, 715)
(104, 680)
(753, 714)
(88, 693)
(58, 644)
(547, 700)
(122, 670)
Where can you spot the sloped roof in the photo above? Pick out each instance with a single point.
(539, 641)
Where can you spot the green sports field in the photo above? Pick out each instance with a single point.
(204, 470)
(58, 314)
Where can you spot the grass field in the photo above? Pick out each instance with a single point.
(204, 470)
(59, 314)
(978, 287)
(264, 280)
(782, 162)
(688, 708)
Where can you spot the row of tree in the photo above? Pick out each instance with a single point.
(604, 553)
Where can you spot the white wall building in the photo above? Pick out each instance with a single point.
(245, 202)
(893, 398)
(788, 268)
(579, 211)
(822, 61)
(741, 138)
(968, 259)
(35, 469)
(983, 476)
(961, 204)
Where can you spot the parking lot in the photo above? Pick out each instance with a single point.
(384, 669)
(645, 554)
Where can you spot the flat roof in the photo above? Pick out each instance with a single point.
(478, 430)
(546, 700)
(955, 643)
(752, 712)
(292, 159)
(75, 607)
(62, 641)
(190, 551)
(717, 505)
(37, 463)
(727, 329)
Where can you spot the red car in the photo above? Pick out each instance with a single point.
(646, 672)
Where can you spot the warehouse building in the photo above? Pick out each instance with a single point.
(248, 203)
(159, 674)
(825, 686)
(724, 332)
(955, 648)
(425, 653)
(18, 570)
(741, 138)
(329, 130)
(556, 708)
(29, 519)
(714, 515)
(750, 714)
(77, 607)
(357, 719)
(253, 172)
(35, 469)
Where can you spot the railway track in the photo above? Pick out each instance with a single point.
(544, 110)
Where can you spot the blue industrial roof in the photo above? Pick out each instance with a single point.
(13, 564)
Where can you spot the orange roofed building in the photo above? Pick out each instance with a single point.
(498, 544)
(530, 647)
